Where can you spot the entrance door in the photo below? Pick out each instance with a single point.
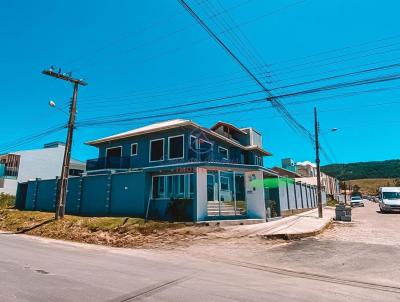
(113, 157)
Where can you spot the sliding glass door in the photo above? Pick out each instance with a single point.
(226, 193)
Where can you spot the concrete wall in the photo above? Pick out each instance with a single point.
(295, 197)
(255, 195)
(201, 194)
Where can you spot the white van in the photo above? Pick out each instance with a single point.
(389, 199)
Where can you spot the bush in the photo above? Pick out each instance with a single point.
(332, 202)
(6, 201)
(176, 209)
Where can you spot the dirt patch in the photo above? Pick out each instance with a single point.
(111, 231)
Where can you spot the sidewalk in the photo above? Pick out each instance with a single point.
(293, 227)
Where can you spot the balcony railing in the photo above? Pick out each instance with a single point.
(211, 157)
(125, 162)
(108, 163)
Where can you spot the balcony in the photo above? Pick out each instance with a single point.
(212, 157)
(108, 163)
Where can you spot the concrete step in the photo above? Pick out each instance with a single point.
(226, 213)
(222, 207)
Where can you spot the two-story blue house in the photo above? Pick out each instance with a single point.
(218, 170)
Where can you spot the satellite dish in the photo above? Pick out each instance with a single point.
(52, 103)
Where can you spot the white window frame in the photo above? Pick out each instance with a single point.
(179, 185)
(186, 193)
(137, 146)
(196, 141)
(258, 160)
(208, 142)
(183, 146)
(163, 151)
(227, 152)
(165, 188)
(115, 147)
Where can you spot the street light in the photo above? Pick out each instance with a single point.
(53, 104)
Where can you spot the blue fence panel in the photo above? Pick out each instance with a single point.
(128, 194)
(73, 203)
(46, 195)
(30, 204)
(94, 195)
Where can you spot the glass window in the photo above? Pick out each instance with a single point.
(191, 185)
(223, 152)
(159, 187)
(205, 149)
(170, 187)
(181, 184)
(391, 195)
(134, 149)
(175, 147)
(224, 183)
(157, 150)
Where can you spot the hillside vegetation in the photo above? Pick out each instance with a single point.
(370, 186)
(364, 170)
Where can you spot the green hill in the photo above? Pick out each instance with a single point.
(364, 170)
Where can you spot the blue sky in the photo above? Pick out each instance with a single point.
(142, 55)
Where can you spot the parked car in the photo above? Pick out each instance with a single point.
(356, 201)
(389, 199)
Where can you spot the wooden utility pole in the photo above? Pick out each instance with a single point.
(316, 125)
(62, 191)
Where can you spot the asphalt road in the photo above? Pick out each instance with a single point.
(331, 267)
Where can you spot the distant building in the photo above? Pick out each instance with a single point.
(25, 165)
(306, 172)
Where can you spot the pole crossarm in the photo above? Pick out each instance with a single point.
(64, 76)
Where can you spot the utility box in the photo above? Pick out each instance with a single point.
(343, 212)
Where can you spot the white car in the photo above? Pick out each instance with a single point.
(356, 201)
(389, 199)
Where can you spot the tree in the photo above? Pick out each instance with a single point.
(356, 190)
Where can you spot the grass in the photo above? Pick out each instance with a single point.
(6, 201)
(331, 203)
(370, 186)
(112, 231)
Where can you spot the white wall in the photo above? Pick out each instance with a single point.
(201, 189)
(42, 163)
(9, 186)
(255, 195)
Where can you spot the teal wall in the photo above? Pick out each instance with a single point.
(141, 160)
(113, 194)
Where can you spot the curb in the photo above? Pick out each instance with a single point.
(298, 235)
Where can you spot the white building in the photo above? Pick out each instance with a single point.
(43, 163)
(307, 172)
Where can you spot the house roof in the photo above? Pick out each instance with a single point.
(143, 130)
(230, 126)
(171, 124)
(285, 172)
